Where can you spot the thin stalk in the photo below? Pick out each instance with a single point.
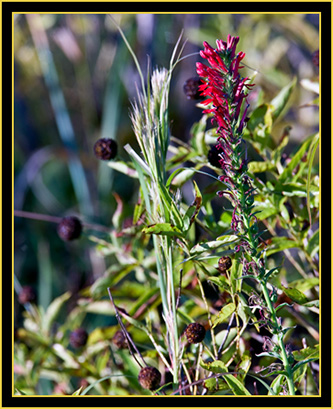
(284, 356)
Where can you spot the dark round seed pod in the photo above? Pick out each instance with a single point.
(195, 333)
(149, 378)
(105, 149)
(119, 340)
(70, 228)
(214, 157)
(191, 88)
(315, 58)
(78, 338)
(27, 294)
(224, 264)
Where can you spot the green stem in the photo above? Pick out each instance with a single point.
(284, 356)
(263, 283)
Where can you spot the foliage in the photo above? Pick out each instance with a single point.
(154, 269)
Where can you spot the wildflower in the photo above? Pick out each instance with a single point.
(226, 91)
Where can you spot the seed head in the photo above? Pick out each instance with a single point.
(27, 294)
(195, 333)
(149, 378)
(78, 338)
(105, 149)
(214, 157)
(224, 264)
(119, 340)
(69, 228)
(191, 88)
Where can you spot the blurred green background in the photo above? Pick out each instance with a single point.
(74, 82)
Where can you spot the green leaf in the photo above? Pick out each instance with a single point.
(313, 244)
(181, 177)
(287, 174)
(213, 245)
(193, 210)
(220, 281)
(54, 309)
(235, 385)
(213, 384)
(235, 275)
(281, 100)
(214, 366)
(123, 167)
(77, 392)
(224, 314)
(280, 244)
(304, 362)
(276, 385)
(306, 353)
(295, 295)
(311, 156)
(165, 229)
(304, 284)
(258, 167)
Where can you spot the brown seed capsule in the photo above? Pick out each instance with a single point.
(195, 333)
(78, 338)
(149, 378)
(27, 294)
(119, 340)
(214, 157)
(69, 228)
(105, 149)
(224, 264)
(191, 88)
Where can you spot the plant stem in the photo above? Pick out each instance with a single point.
(284, 356)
